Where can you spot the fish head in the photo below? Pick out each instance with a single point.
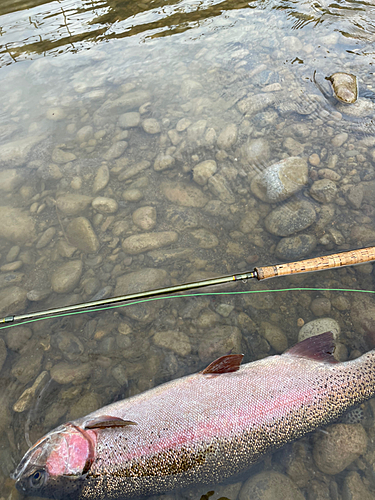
(57, 464)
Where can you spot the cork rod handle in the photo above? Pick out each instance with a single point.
(318, 263)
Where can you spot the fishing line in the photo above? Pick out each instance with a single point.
(202, 294)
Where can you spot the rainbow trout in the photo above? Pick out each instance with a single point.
(202, 428)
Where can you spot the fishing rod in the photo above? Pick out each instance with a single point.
(323, 263)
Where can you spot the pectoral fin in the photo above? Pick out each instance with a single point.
(105, 421)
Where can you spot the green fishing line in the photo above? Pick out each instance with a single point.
(203, 294)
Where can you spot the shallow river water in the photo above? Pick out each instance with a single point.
(140, 146)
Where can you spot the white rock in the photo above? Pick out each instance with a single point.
(318, 326)
(203, 171)
(105, 205)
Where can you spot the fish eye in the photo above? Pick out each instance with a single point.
(37, 479)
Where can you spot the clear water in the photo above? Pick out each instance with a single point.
(188, 70)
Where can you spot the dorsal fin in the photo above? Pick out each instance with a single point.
(318, 348)
(106, 421)
(225, 364)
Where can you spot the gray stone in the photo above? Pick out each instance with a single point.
(279, 181)
(129, 120)
(85, 133)
(84, 405)
(290, 218)
(17, 337)
(318, 326)
(227, 137)
(29, 363)
(218, 340)
(195, 133)
(49, 171)
(355, 196)
(275, 336)
(16, 153)
(203, 171)
(339, 139)
(46, 238)
(10, 180)
(66, 373)
(183, 124)
(205, 238)
(270, 485)
(163, 162)
(324, 191)
(132, 195)
(11, 279)
(151, 126)
(145, 218)
(219, 187)
(255, 103)
(67, 276)
(134, 170)
(295, 247)
(139, 243)
(105, 205)
(3, 353)
(249, 222)
(37, 295)
(175, 341)
(61, 157)
(12, 299)
(27, 398)
(354, 488)
(101, 179)
(70, 346)
(362, 314)
(81, 235)
(73, 204)
(295, 148)
(126, 102)
(16, 225)
(13, 253)
(116, 150)
(255, 152)
(11, 266)
(184, 194)
(338, 447)
(321, 306)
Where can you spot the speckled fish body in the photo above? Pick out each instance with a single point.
(201, 428)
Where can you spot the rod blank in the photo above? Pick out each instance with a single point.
(350, 258)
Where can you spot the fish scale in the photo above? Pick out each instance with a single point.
(202, 428)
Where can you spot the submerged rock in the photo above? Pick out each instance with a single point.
(295, 247)
(319, 326)
(338, 447)
(82, 235)
(290, 218)
(73, 204)
(184, 195)
(67, 276)
(16, 225)
(345, 87)
(12, 299)
(175, 341)
(269, 485)
(279, 181)
(144, 242)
